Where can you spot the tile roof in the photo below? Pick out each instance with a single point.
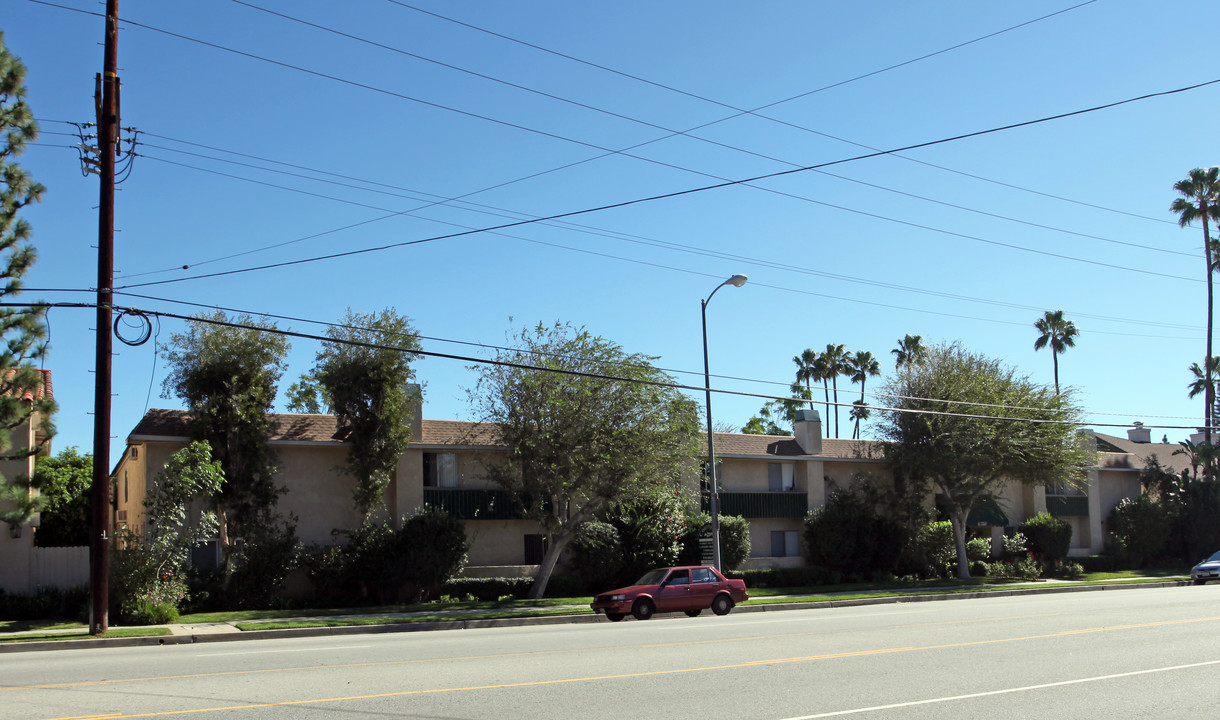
(43, 390)
(303, 428)
(1134, 455)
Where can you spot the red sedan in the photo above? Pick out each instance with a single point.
(688, 589)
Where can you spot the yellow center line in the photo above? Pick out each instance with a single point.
(652, 673)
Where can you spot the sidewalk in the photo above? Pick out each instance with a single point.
(187, 633)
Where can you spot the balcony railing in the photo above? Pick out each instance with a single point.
(764, 504)
(473, 504)
(1067, 505)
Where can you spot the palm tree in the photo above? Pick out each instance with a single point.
(821, 373)
(910, 351)
(807, 370)
(835, 358)
(861, 365)
(1060, 334)
(859, 411)
(1205, 379)
(1200, 197)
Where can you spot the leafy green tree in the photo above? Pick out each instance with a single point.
(910, 350)
(968, 424)
(148, 567)
(586, 424)
(860, 367)
(226, 373)
(1200, 201)
(306, 395)
(364, 372)
(1058, 334)
(22, 329)
(63, 484)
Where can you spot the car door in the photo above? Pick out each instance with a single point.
(675, 593)
(704, 584)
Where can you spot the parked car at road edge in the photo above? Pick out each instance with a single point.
(690, 589)
(1209, 569)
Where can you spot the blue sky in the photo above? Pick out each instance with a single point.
(262, 136)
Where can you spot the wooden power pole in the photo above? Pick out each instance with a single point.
(107, 99)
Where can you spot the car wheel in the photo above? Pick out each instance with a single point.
(693, 613)
(643, 609)
(1200, 582)
(615, 617)
(722, 604)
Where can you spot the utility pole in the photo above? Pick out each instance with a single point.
(107, 100)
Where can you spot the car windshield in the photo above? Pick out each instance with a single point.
(1214, 558)
(653, 577)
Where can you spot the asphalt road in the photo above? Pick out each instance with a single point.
(1131, 654)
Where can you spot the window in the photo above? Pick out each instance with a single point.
(440, 470)
(535, 548)
(779, 477)
(784, 543)
(679, 577)
(1063, 488)
(703, 575)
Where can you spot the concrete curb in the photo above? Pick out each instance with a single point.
(459, 624)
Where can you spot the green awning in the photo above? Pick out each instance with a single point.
(985, 513)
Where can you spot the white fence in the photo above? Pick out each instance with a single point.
(61, 567)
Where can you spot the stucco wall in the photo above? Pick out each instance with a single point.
(498, 542)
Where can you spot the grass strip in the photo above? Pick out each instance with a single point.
(84, 635)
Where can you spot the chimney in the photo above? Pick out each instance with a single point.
(808, 431)
(1139, 433)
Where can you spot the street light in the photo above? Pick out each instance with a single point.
(713, 483)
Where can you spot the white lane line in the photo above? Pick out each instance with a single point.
(1027, 688)
(297, 650)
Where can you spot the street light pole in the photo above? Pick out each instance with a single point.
(713, 481)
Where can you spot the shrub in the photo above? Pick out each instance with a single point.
(935, 549)
(1063, 569)
(978, 549)
(1024, 566)
(434, 546)
(734, 540)
(489, 589)
(1014, 545)
(45, 603)
(1139, 529)
(1196, 533)
(848, 535)
(596, 554)
(798, 577)
(261, 564)
(1048, 536)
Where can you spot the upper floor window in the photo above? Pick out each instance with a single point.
(440, 470)
(779, 477)
(1063, 488)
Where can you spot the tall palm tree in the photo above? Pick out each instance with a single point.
(821, 373)
(807, 370)
(910, 351)
(859, 411)
(836, 365)
(1058, 333)
(861, 366)
(1204, 378)
(1200, 201)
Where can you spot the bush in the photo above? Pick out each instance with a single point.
(45, 603)
(1196, 532)
(1139, 529)
(798, 577)
(1025, 567)
(489, 589)
(596, 554)
(261, 564)
(734, 540)
(1047, 536)
(434, 546)
(978, 549)
(934, 549)
(1063, 569)
(847, 535)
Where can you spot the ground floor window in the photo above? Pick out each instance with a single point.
(785, 543)
(535, 548)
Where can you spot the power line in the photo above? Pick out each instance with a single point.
(716, 186)
(138, 312)
(755, 111)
